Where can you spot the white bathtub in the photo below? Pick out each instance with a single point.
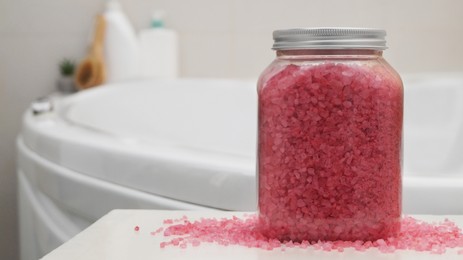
(187, 144)
(190, 144)
(433, 144)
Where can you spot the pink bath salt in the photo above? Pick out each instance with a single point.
(163, 244)
(435, 238)
(195, 243)
(329, 153)
(157, 231)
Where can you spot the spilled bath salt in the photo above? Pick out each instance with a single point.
(415, 235)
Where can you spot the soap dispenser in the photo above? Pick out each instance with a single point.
(121, 51)
(158, 50)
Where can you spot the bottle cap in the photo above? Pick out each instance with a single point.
(157, 20)
(329, 38)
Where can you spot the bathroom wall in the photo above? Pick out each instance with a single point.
(218, 38)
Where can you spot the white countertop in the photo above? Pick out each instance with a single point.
(113, 238)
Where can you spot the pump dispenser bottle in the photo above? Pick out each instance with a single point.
(121, 45)
(158, 50)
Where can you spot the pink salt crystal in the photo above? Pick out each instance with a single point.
(327, 246)
(290, 244)
(162, 244)
(380, 242)
(304, 244)
(157, 231)
(368, 244)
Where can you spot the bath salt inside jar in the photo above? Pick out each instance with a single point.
(330, 137)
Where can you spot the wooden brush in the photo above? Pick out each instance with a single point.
(91, 71)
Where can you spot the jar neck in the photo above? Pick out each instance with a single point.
(322, 53)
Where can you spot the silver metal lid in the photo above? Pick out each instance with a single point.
(329, 38)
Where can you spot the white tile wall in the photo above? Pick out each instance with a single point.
(214, 49)
(218, 38)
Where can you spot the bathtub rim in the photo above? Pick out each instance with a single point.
(62, 142)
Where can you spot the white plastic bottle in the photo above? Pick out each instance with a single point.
(120, 45)
(158, 50)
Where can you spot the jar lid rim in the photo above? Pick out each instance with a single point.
(329, 38)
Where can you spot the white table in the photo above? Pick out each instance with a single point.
(113, 238)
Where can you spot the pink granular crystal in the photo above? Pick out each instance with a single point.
(415, 235)
(330, 152)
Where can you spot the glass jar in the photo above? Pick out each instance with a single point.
(329, 137)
